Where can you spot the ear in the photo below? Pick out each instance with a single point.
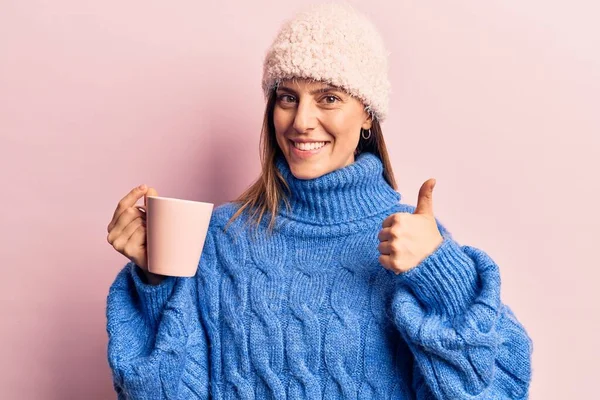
(368, 123)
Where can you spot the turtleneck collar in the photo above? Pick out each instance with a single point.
(348, 194)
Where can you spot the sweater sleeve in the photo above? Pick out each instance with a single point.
(157, 346)
(466, 343)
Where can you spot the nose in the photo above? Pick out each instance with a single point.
(305, 119)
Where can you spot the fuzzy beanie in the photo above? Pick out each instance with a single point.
(336, 44)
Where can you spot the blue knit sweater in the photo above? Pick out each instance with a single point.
(309, 313)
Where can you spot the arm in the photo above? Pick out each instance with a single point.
(157, 346)
(466, 343)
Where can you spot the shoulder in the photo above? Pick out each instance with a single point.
(221, 219)
(407, 208)
(223, 213)
(227, 240)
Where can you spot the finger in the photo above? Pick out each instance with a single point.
(125, 236)
(124, 220)
(151, 192)
(425, 201)
(385, 248)
(133, 227)
(126, 202)
(386, 262)
(389, 221)
(136, 241)
(394, 219)
(386, 234)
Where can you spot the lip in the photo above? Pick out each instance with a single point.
(303, 154)
(308, 141)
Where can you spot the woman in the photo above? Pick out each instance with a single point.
(317, 282)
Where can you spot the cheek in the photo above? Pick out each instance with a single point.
(277, 123)
(281, 126)
(345, 136)
(280, 121)
(346, 126)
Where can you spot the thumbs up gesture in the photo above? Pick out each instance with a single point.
(407, 239)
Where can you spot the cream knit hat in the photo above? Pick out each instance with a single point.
(333, 43)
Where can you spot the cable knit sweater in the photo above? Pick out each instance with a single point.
(309, 313)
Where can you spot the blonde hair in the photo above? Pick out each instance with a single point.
(266, 194)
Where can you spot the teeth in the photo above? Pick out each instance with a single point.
(309, 146)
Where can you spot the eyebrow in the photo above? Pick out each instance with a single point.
(323, 89)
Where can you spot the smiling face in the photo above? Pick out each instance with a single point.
(317, 126)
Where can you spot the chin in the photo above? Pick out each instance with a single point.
(314, 167)
(308, 170)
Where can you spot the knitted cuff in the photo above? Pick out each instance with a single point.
(445, 282)
(152, 297)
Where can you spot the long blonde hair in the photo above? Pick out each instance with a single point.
(266, 194)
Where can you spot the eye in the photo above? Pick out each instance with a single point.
(284, 98)
(331, 99)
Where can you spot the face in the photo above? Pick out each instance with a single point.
(317, 126)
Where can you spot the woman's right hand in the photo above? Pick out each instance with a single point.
(127, 230)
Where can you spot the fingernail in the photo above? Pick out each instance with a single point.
(142, 186)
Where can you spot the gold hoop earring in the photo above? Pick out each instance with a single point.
(362, 133)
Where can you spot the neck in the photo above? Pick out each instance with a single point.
(348, 194)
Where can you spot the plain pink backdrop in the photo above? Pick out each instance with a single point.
(498, 100)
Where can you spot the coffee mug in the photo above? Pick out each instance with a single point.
(175, 233)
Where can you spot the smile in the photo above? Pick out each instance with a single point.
(308, 146)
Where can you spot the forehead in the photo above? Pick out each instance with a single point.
(306, 84)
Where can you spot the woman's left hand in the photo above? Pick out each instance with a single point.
(407, 239)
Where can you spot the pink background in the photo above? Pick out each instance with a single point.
(498, 100)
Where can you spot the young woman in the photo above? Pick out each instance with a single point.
(318, 282)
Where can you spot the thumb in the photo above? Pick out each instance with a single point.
(425, 201)
(151, 192)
